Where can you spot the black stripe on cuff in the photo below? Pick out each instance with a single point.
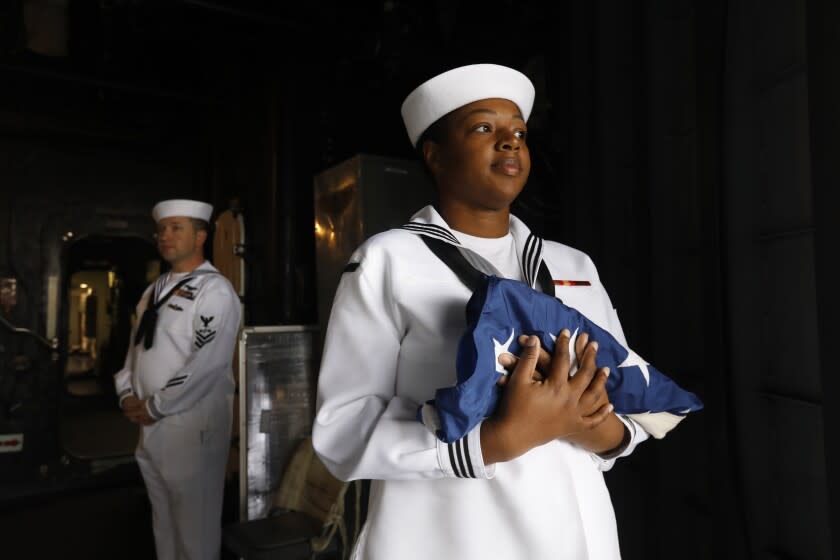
(459, 444)
(452, 460)
(153, 410)
(467, 453)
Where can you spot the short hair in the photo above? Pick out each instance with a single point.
(200, 225)
(435, 133)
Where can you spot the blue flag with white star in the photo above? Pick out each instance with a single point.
(501, 310)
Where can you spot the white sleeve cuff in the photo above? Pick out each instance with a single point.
(637, 436)
(152, 408)
(463, 458)
(125, 394)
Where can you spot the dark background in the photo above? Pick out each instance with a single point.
(690, 147)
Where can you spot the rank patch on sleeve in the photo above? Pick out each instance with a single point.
(205, 334)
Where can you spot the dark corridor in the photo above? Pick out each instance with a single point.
(105, 277)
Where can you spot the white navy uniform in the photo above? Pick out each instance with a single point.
(391, 341)
(187, 378)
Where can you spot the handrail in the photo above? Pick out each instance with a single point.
(51, 344)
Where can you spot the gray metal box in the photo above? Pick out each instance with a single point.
(276, 408)
(354, 200)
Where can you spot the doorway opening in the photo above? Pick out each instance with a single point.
(105, 277)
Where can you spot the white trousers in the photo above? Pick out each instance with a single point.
(182, 459)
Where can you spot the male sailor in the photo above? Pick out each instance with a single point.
(177, 384)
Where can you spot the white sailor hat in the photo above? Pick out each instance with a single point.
(455, 88)
(181, 207)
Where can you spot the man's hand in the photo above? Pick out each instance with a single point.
(135, 410)
(537, 408)
(130, 402)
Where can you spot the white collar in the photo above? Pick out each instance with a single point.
(160, 284)
(427, 221)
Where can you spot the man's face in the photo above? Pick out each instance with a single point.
(177, 239)
(482, 161)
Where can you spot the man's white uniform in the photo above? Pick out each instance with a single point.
(391, 341)
(187, 378)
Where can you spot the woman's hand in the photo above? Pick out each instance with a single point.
(595, 394)
(537, 407)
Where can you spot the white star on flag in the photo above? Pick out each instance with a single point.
(573, 364)
(502, 349)
(634, 359)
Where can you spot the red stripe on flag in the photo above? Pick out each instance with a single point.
(571, 282)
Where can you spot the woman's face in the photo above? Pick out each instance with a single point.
(482, 160)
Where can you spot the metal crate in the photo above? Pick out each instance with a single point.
(276, 407)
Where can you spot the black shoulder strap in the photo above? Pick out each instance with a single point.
(468, 274)
(452, 257)
(544, 281)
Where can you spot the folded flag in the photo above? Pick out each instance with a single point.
(499, 311)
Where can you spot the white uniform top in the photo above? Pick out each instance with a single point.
(391, 341)
(193, 345)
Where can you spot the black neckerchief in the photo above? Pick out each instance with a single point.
(146, 328)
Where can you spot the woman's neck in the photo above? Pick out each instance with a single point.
(478, 222)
